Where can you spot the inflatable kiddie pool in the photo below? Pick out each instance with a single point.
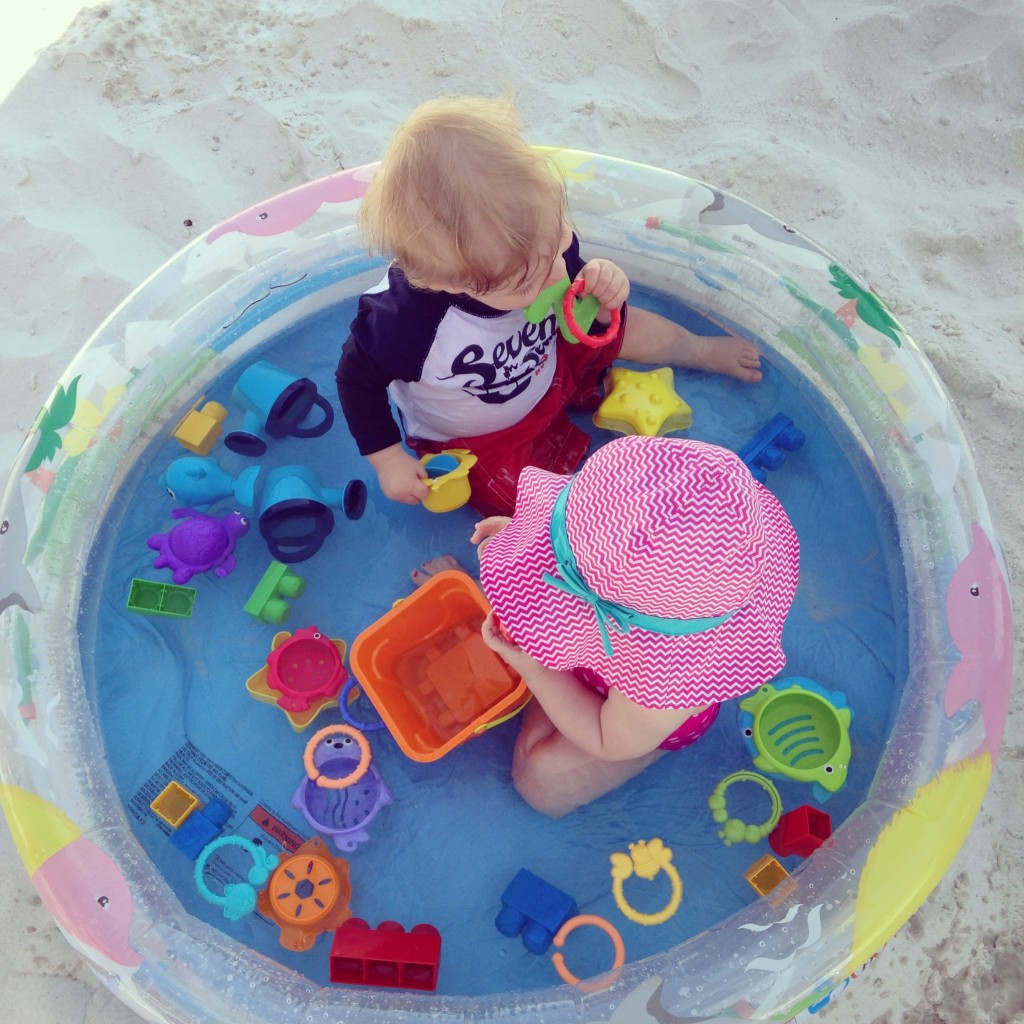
(213, 305)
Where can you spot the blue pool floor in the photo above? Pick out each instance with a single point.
(172, 703)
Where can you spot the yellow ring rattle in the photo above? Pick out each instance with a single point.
(346, 780)
(610, 930)
(646, 858)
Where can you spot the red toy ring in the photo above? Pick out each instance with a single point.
(593, 340)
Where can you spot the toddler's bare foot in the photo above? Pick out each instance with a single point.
(425, 570)
(653, 339)
(732, 356)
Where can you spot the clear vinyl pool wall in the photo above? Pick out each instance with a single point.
(286, 261)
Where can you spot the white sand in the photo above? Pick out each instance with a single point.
(892, 133)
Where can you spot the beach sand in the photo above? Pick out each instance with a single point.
(892, 134)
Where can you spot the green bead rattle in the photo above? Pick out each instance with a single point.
(733, 830)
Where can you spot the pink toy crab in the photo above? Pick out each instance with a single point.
(199, 543)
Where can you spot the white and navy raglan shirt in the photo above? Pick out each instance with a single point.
(454, 366)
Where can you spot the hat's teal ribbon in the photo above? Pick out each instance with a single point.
(609, 613)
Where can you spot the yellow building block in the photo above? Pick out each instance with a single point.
(175, 803)
(200, 429)
(765, 874)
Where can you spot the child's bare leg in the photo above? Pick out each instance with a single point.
(535, 727)
(650, 338)
(432, 567)
(555, 777)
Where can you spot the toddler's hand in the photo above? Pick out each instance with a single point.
(486, 529)
(400, 475)
(497, 640)
(607, 283)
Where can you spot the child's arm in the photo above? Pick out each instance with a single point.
(611, 729)
(389, 340)
(363, 392)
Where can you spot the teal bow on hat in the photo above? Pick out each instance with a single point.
(607, 612)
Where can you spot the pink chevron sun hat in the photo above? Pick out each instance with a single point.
(676, 574)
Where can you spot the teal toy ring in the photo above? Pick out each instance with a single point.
(733, 830)
(239, 898)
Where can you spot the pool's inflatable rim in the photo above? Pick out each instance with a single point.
(276, 263)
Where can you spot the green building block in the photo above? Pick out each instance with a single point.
(147, 597)
(269, 601)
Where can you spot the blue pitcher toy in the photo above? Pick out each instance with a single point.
(275, 402)
(295, 516)
(292, 508)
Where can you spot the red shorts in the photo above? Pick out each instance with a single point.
(545, 437)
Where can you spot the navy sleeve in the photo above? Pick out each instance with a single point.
(363, 392)
(573, 260)
(389, 339)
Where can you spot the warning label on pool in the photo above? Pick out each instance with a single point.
(275, 828)
(190, 780)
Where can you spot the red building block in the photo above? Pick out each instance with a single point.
(386, 956)
(800, 831)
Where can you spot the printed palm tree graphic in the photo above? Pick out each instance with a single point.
(51, 421)
(863, 304)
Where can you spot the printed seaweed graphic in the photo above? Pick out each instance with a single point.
(870, 308)
(50, 422)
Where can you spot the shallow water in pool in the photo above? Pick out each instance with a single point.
(171, 697)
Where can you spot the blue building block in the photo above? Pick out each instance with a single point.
(535, 909)
(766, 450)
(201, 827)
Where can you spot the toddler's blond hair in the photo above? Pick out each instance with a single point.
(460, 200)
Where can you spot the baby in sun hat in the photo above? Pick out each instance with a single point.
(633, 598)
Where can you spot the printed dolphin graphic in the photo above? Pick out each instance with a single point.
(732, 212)
(980, 622)
(16, 584)
(288, 211)
(80, 885)
(644, 1006)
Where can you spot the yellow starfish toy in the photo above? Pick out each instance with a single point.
(643, 402)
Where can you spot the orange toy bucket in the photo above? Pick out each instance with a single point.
(431, 677)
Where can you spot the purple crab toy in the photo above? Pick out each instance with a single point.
(199, 543)
(341, 814)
